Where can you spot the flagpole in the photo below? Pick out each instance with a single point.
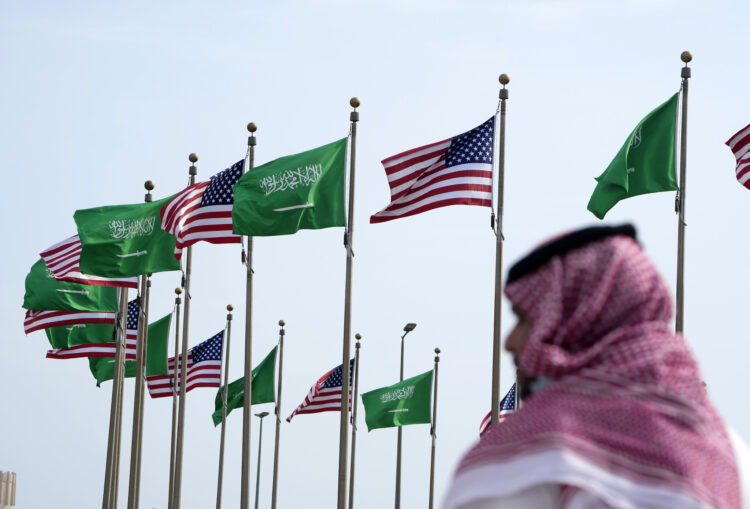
(143, 392)
(107, 498)
(118, 423)
(686, 57)
(348, 242)
(357, 336)
(247, 403)
(140, 355)
(192, 171)
(230, 308)
(277, 411)
(433, 428)
(499, 238)
(173, 447)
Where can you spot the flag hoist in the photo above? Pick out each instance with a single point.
(140, 355)
(348, 243)
(109, 498)
(247, 259)
(686, 57)
(174, 499)
(357, 336)
(277, 412)
(175, 380)
(224, 390)
(497, 224)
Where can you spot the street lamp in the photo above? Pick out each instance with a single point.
(407, 329)
(260, 443)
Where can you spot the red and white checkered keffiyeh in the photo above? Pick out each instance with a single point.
(626, 401)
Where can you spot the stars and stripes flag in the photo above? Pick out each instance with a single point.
(203, 211)
(325, 394)
(740, 145)
(37, 320)
(203, 369)
(106, 348)
(456, 171)
(62, 260)
(507, 407)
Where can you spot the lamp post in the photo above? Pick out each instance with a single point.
(407, 329)
(260, 443)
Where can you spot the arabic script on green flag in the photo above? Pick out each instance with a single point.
(298, 192)
(400, 404)
(125, 240)
(46, 293)
(644, 164)
(262, 388)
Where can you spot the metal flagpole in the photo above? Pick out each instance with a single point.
(277, 411)
(247, 258)
(433, 428)
(192, 171)
(230, 308)
(260, 415)
(107, 498)
(143, 394)
(357, 336)
(118, 432)
(496, 346)
(348, 243)
(177, 302)
(407, 329)
(686, 57)
(140, 355)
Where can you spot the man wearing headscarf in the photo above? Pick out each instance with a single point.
(616, 414)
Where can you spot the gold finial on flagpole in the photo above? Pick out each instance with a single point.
(354, 102)
(504, 79)
(686, 56)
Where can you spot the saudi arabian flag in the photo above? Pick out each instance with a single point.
(262, 388)
(299, 192)
(46, 293)
(400, 404)
(80, 334)
(103, 368)
(125, 240)
(644, 164)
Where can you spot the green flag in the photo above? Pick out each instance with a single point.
(403, 403)
(80, 334)
(262, 388)
(103, 368)
(125, 240)
(298, 192)
(644, 164)
(46, 293)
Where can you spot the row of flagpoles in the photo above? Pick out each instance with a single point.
(240, 201)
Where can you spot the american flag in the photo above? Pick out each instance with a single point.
(105, 348)
(203, 369)
(456, 171)
(36, 320)
(62, 260)
(203, 211)
(507, 407)
(325, 395)
(740, 145)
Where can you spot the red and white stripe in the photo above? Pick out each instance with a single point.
(740, 145)
(37, 320)
(420, 181)
(487, 418)
(63, 258)
(103, 349)
(321, 400)
(184, 218)
(201, 374)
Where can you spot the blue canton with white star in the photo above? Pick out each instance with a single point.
(209, 350)
(473, 146)
(219, 190)
(509, 401)
(133, 315)
(334, 379)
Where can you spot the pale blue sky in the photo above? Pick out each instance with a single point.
(97, 98)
